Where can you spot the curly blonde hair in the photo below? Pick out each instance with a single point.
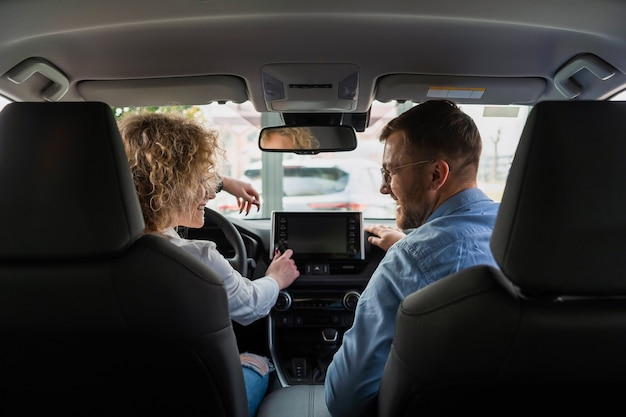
(302, 137)
(170, 157)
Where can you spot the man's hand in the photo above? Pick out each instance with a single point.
(383, 236)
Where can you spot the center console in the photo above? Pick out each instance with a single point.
(306, 329)
(307, 324)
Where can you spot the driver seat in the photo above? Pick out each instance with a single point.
(99, 318)
(546, 332)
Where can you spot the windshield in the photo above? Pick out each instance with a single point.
(343, 180)
(305, 180)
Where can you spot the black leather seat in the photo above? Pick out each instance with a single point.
(97, 318)
(546, 332)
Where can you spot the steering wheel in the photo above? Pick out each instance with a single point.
(240, 260)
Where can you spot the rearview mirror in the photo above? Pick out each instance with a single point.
(307, 140)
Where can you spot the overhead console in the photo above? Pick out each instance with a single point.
(323, 242)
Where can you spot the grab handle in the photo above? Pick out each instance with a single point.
(59, 84)
(568, 86)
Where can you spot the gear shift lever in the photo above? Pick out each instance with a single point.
(329, 335)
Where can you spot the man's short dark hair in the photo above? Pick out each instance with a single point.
(440, 129)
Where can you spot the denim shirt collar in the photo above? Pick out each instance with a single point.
(458, 202)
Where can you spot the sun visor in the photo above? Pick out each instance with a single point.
(468, 90)
(162, 91)
(310, 87)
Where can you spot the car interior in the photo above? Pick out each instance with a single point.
(100, 318)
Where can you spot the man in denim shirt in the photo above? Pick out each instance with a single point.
(430, 163)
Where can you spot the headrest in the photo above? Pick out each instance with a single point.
(561, 228)
(65, 186)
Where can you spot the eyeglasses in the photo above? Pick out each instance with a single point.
(387, 172)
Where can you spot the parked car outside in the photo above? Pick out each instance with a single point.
(340, 184)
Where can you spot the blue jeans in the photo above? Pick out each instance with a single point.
(256, 386)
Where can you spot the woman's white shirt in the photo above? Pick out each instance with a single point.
(248, 300)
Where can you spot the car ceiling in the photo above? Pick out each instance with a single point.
(158, 52)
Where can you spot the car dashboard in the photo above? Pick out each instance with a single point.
(306, 325)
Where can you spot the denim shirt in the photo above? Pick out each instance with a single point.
(456, 236)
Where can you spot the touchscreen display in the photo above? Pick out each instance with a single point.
(318, 235)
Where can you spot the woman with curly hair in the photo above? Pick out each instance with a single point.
(173, 163)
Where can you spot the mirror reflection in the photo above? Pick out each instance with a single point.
(307, 139)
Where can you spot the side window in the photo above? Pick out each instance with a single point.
(621, 96)
(500, 128)
(3, 102)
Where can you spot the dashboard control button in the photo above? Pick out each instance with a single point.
(350, 300)
(283, 302)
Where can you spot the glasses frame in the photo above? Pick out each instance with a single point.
(388, 172)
